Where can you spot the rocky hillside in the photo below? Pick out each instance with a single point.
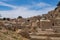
(10, 35)
(45, 27)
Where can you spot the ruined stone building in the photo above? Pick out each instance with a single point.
(51, 20)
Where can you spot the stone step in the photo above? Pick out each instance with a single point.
(39, 37)
(55, 38)
(42, 32)
(44, 38)
(47, 34)
(36, 39)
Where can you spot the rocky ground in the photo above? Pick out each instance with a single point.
(10, 35)
(41, 35)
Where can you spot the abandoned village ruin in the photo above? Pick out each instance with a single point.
(47, 24)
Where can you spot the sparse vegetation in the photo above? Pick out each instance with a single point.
(19, 16)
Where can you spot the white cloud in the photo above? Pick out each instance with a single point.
(22, 11)
(25, 12)
(41, 4)
(5, 4)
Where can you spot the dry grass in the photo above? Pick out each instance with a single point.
(10, 35)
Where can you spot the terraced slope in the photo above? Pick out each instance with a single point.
(45, 35)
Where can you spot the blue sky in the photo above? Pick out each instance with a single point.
(26, 8)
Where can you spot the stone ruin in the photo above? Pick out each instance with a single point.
(47, 22)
